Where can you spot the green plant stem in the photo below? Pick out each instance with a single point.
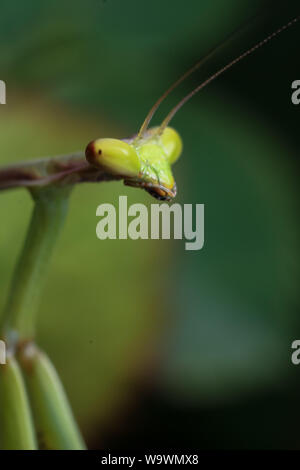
(47, 218)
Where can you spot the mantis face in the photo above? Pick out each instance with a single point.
(142, 162)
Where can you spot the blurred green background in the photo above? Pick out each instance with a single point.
(158, 346)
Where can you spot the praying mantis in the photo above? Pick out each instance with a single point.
(144, 160)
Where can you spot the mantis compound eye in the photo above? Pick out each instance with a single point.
(114, 156)
(172, 144)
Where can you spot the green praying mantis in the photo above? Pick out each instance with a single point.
(34, 409)
(144, 160)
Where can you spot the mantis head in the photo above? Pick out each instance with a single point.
(144, 161)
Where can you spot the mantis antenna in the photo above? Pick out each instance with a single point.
(189, 72)
(176, 108)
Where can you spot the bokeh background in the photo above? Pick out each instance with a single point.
(158, 346)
